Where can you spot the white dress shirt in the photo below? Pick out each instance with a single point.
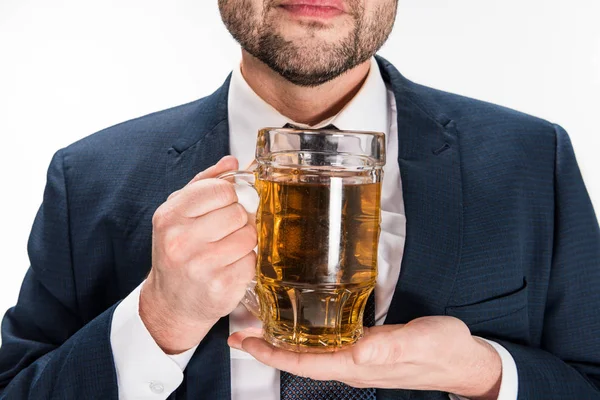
(144, 371)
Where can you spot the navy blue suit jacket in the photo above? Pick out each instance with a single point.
(501, 233)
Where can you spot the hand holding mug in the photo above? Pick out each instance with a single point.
(202, 260)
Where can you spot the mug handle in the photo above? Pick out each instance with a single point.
(242, 180)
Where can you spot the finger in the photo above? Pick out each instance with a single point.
(373, 330)
(174, 194)
(235, 339)
(233, 247)
(202, 197)
(221, 261)
(326, 366)
(233, 279)
(225, 164)
(383, 345)
(220, 223)
(251, 219)
(243, 270)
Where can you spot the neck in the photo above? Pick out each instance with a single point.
(306, 105)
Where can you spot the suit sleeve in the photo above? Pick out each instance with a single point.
(48, 350)
(567, 366)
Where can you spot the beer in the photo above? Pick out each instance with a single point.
(317, 256)
(318, 215)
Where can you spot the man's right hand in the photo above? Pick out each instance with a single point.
(202, 260)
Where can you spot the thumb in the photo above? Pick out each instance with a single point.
(225, 164)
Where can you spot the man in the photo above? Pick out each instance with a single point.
(489, 255)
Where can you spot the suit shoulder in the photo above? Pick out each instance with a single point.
(128, 153)
(481, 118)
(146, 131)
(496, 139)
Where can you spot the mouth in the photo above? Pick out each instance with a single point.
(320, 9)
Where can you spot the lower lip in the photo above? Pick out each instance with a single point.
(302, 10)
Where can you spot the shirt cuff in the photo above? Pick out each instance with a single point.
(144, 371)
(509, 387)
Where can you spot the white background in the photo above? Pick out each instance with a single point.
(69, 68)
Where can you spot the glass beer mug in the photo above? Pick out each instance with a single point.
(318, 223)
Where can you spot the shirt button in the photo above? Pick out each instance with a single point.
(157, 387)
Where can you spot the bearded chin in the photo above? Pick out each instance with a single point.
(303, 65)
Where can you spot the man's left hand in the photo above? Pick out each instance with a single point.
(428, 353)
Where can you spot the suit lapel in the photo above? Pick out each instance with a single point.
(429, 160)
(203, 142)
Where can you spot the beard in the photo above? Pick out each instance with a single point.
(309, 61)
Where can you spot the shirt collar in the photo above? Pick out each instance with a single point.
(367, 111)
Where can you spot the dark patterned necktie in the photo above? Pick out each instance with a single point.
(294, 387)
(297, 388)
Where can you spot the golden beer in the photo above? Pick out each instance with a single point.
(317, 260)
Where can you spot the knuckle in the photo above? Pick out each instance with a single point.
(162, 216)
(174, 194)
(223, 192)
(216, 286)
(208, 259)
(200, 175)
(250, 236)
(239, 216)
(221, 285)
(251, 258)
(174, 248)
(394, 354)
(195, 272)
(247, 266)
(361, 354)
